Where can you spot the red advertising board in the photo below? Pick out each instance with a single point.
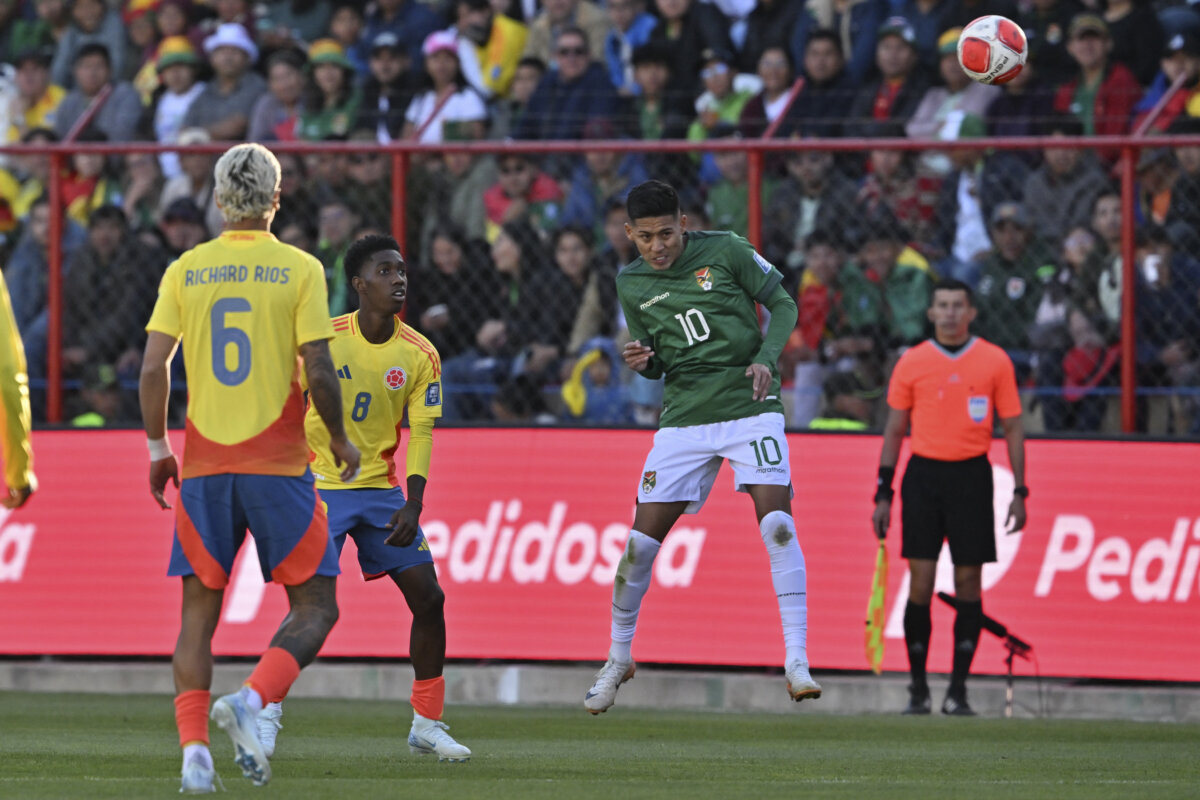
(526, 527)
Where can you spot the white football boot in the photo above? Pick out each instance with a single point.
(603, 693)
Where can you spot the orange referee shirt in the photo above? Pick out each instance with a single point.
(952, 397)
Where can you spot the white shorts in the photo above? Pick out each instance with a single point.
(683, 463)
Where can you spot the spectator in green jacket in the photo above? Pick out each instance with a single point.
(882, 296)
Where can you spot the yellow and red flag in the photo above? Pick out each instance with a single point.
(875, 611)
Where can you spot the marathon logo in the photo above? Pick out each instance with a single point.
(654, 300)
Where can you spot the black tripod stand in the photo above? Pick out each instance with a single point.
(1016, 648)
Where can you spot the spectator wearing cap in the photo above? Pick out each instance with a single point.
(630, 28)
(1137, 37)
(1180, 56)
(970, 193)
(901, 84)
(1010, 279)
(182, 227)
(37, 99)
(448, 100)
(825, 97)
(331, 99)
(958, 95)
(761, 111)
(687, 28)
(178, 69)
(389, 88)
(411, 20)
(100, 401)
(276, 112)
(1059, 194)
(725, 94)
(195, 179)
(1104, 93)
(856, 25)
(92, 22)
(290, 21)
(557, 16)
(601, 175)
(576, 90)
(489, 48)
(118, 116)
(223, 108)
(1046, 23)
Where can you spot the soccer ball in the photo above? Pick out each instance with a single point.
(992, 49)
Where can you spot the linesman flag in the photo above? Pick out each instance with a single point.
(875, 611)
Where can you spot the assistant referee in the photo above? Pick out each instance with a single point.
(949, 387)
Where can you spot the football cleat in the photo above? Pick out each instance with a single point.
(235, 718)
(198, 778)
(800, 684)
(430, 737)
(955, 705)
(919, 701)
(269, 727)
(603, 693)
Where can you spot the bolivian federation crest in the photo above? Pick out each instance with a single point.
(648, 481)
(704, 278)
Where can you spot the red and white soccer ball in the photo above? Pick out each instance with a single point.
(992, 49)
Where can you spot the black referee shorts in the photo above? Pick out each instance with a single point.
(948, 500)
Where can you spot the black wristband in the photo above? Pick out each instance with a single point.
(884, 493)
(1021, 491)
(883, 484)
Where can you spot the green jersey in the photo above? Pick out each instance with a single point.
(699, 317)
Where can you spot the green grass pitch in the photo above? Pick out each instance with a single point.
(107, 746)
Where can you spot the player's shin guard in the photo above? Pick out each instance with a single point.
(629, 587)
(967, 625)
(790, 578)
(918, 626)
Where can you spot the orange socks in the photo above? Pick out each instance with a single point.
(191, 716)
(277, 670)
(429, 697)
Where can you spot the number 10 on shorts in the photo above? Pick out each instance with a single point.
(767, 451)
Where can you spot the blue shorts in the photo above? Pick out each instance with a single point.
(284, 514)
(365, 515)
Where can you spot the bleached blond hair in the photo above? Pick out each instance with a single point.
(246, 178)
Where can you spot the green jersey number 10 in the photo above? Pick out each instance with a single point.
(695, 327)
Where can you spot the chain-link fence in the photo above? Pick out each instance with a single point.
(513, 251)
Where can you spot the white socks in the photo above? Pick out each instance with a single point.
(791, 582)
(629, 587)
(198, 753)
(251, 698)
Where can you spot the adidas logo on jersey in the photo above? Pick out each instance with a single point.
(344, 373)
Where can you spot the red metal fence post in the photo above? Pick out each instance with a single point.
(1128, 310)
(754, 182)
(400, 199)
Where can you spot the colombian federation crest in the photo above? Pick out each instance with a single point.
(704, 278)
(395, 378)
(648, 481)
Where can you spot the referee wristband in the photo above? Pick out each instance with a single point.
(1021, 491)
(159, 448)
(883, 484)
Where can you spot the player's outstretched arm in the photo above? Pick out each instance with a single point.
(1014, 436)
(893, 437)
(326, 397)
(154, 389)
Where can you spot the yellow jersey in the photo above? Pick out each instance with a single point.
(14, 400)
(379, 382)
(243, 304)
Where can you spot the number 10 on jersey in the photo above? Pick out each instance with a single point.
(695, 327)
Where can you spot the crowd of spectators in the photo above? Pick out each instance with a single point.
(513, 255)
